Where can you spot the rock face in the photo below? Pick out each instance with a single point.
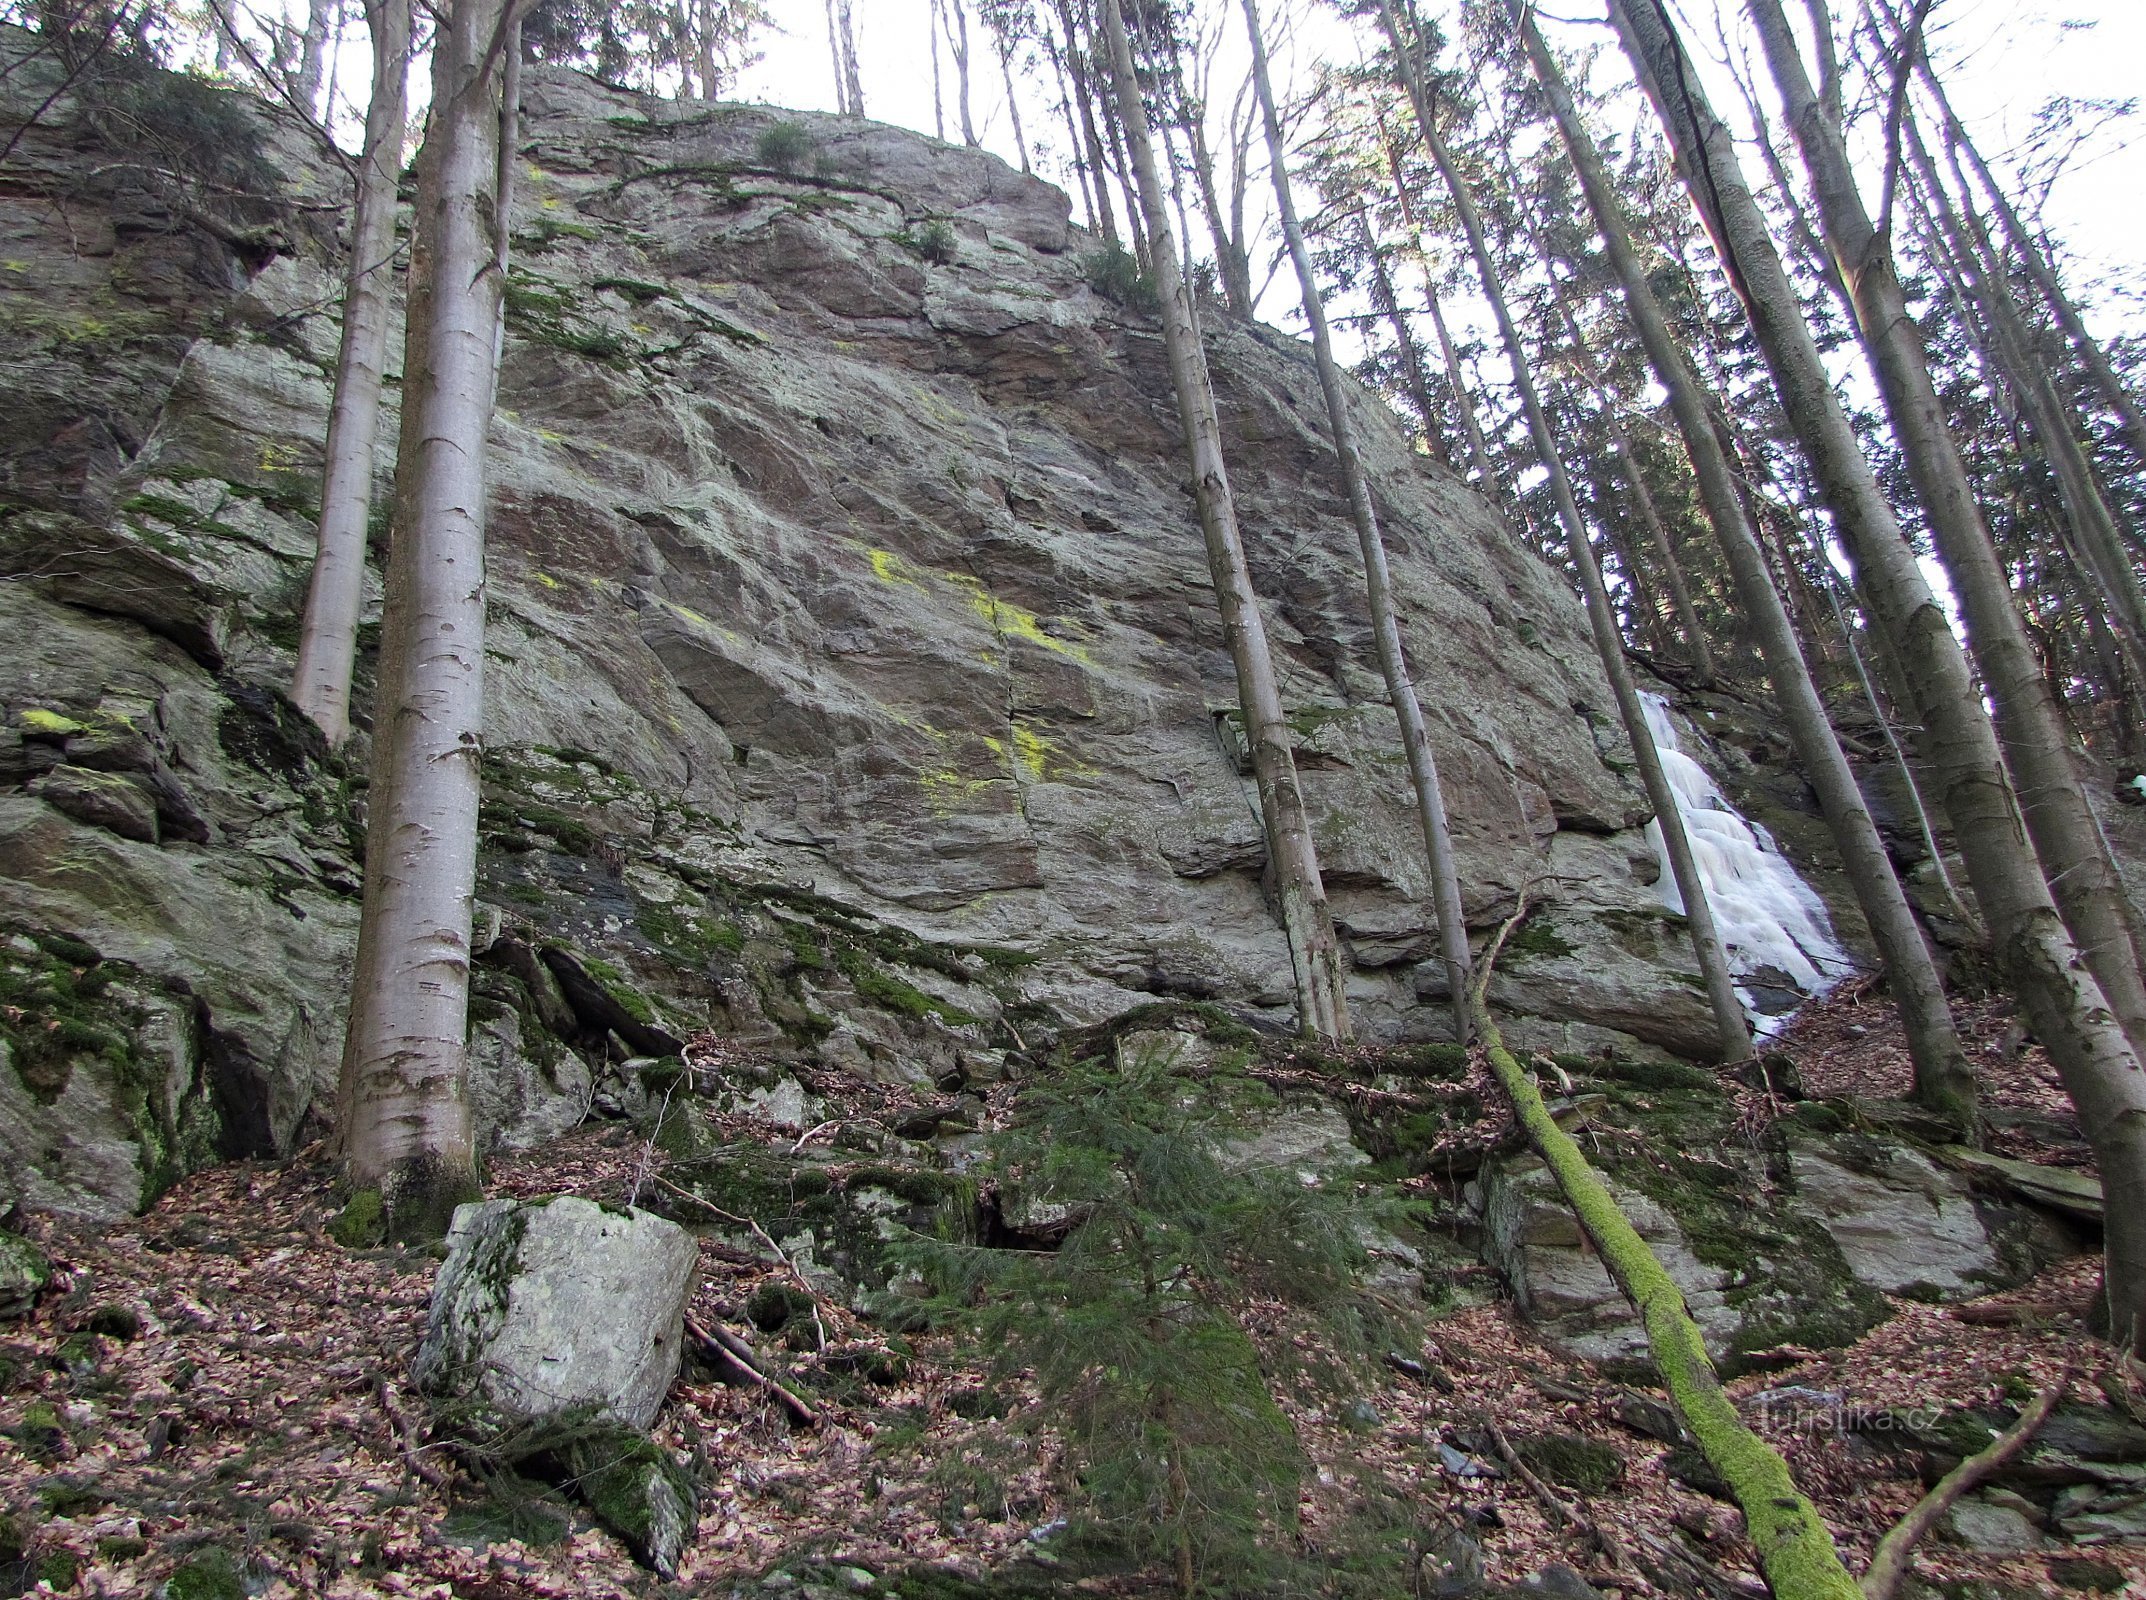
(855, 684)
(558, 1308)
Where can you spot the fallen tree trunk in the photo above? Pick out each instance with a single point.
(1795, 1551)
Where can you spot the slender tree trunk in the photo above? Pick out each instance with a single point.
(1077, 61)
(313, 55)
(932, 26)
(1448, 354)
(1943, 1079)
(1378, 581)
(1135, 210)
(1733, 1031)
(1650, 515)
(834, 50)
(711, 78)
(1013, 102)
(327, 639)
(957, 41)
(2074, 853)
(852, 79)
(1313, 948)
(2058, 992)
(406, 1125)
(1413, 378)
(2040, 267)
(2105, 561)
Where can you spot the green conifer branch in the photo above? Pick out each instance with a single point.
(1796, 1552)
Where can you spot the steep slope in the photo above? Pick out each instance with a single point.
(856, 680)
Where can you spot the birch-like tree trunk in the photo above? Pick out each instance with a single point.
(1314, 951)
(1013, 101)
(2057, 991)
(328, 636)
(406, 1115)
(1943, 1079)
(954, 19)
(2074, 853)
(852, 78)
(1378, 580)
(1077, 60)
(1729, 1023)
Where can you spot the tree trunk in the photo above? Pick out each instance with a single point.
(1378, 582)
(1077, 60)
(957, 41)
(406, 1125)
(1413, 377)
(2073, 852)
(852, 80)
(1013, 102)
(2058, 993)
(313, 55)
(1728, 1011)
(2120, 400)
(2105, 561)
(327, 639)
(1794, 1550)
(1314, 951)
(1650, 516)
(1943, 1079)
(932, 25)
(1463, 397)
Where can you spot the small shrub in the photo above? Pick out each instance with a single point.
(786, 147)
(934, 241)
(1118, 278)
(1130, 1325)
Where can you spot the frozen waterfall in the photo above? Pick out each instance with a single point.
(1768, 916)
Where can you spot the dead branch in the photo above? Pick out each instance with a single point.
(733, 1354)
(1889, 1562)
(405, 1431)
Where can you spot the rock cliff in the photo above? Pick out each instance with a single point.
(856, 686)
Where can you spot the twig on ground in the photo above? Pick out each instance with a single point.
(405, 1432)
(1889, 1562)
(727, 1350)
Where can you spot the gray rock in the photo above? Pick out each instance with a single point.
(1310, 1140)
(1901, 1221)
(640, 1492)
(23, 1272)
(559, 1308)
(2114, 1516)
(102, 799)
(1991, 1529)
(1560, 1284)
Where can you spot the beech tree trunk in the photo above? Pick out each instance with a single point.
(1314, 951)
(1943, 1079)
(1413, 377)
(2074, 853)
(1378, 581)
(327, 638)
(2058, 992)
(1013, 101)
(1077, 61)
(1730, 1026)
(852, 79)
(406, 1124)
(957, 41)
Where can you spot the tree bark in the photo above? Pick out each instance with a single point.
(1314, 951)
(1378, 581)
(1943, 1079)
(1413, 377)
(1077, 62)
(852, 80)
(406, 1125)
(957, 41)
(1730, 1026)
(1013, 102)
(2062, 1001)
(327, 638)
(2073, 851)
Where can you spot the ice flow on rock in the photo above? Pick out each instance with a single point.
(1768, 916)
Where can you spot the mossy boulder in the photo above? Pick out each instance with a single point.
(639, 1491)
(23, 1272)
(550, 1307)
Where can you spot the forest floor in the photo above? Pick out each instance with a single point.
(218, 1386)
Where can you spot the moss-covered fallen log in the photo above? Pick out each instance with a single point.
(1796, 1554)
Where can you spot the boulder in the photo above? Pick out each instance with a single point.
(23, 1272)
(1902, 1222)
(557, 1308)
